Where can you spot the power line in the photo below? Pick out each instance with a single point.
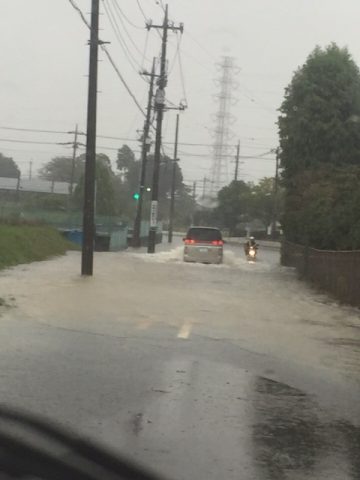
(110, 137)
(182, 77)
(119, 14)
(80, 13)
(118, 33)
(128, 54)
(145, 49)
(142, 10)
(105, 50)
(144, 15)
(11, 140)
(122, 79)
(175, 57)
(126, 18)
(34, 130)
(212, 56)
(161, 5)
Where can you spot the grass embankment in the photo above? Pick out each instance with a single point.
(30, 243)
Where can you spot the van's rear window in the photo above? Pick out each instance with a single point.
(204, 234)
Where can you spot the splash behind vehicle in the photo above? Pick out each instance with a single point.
(203, 245)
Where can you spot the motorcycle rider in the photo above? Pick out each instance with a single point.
(250, 243)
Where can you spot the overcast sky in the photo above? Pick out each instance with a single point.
(44, 64)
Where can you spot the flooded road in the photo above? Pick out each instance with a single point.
(236, 371)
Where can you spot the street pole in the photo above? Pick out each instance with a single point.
(173, 182)
(276, 183)
(75, 147)
(159, 107)
(194, 190)
(87, 258)
(30, 169)
(204, 186)
(136, 240)
(237, 160)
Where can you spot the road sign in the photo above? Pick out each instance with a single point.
(153, 213)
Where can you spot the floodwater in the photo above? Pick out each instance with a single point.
(197, 371)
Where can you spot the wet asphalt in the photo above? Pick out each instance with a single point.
(231, 372)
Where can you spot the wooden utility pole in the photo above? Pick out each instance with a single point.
(136, 240)
(73, 160)
(30, 169)
(87, 258)
(173, 182)
(159, 108)
(194, 190)
(237, 161)
(275, 195)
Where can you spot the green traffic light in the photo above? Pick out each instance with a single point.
(136, 196)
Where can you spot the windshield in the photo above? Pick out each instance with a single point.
(204, 234)
(143, 143)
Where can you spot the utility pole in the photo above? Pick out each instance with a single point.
(159, 108)
(30, 169)
(275, 192)
(204, 182)
(136, 240)
(173, 182)
(75, 147)
(237, 160)
(18, 187)
(194, 190)
(90, 163)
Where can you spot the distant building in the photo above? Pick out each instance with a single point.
(35, 185)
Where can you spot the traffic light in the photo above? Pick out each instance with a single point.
(136, 196)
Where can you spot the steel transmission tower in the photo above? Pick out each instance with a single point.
(222, 131)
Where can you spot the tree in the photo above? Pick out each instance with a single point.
(59, 169)
(105, 193)
(320, 150)
(316, 125)
(125, 159)
(233, 204)
(262, 200)
(323, 210)
(8, 167)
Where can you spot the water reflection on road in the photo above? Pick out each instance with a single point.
(293, 438)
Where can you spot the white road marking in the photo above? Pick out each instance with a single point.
(185, 331)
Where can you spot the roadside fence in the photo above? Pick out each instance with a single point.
(335, 272)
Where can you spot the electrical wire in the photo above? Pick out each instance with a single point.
(120, 17)
(142, 10)
(125, 139)
(145, 50)
(105, 50)
(175, 56)
(33, 130)
(128, 54)
(211, 55)
(182, 77)
(145, 17)
(161, 5)
(11, 140)
(126, 18)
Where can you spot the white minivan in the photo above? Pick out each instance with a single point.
(203, 245)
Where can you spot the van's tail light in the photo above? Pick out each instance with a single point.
(218, 243)
(189, 241)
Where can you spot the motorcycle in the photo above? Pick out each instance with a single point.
(251, 256)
